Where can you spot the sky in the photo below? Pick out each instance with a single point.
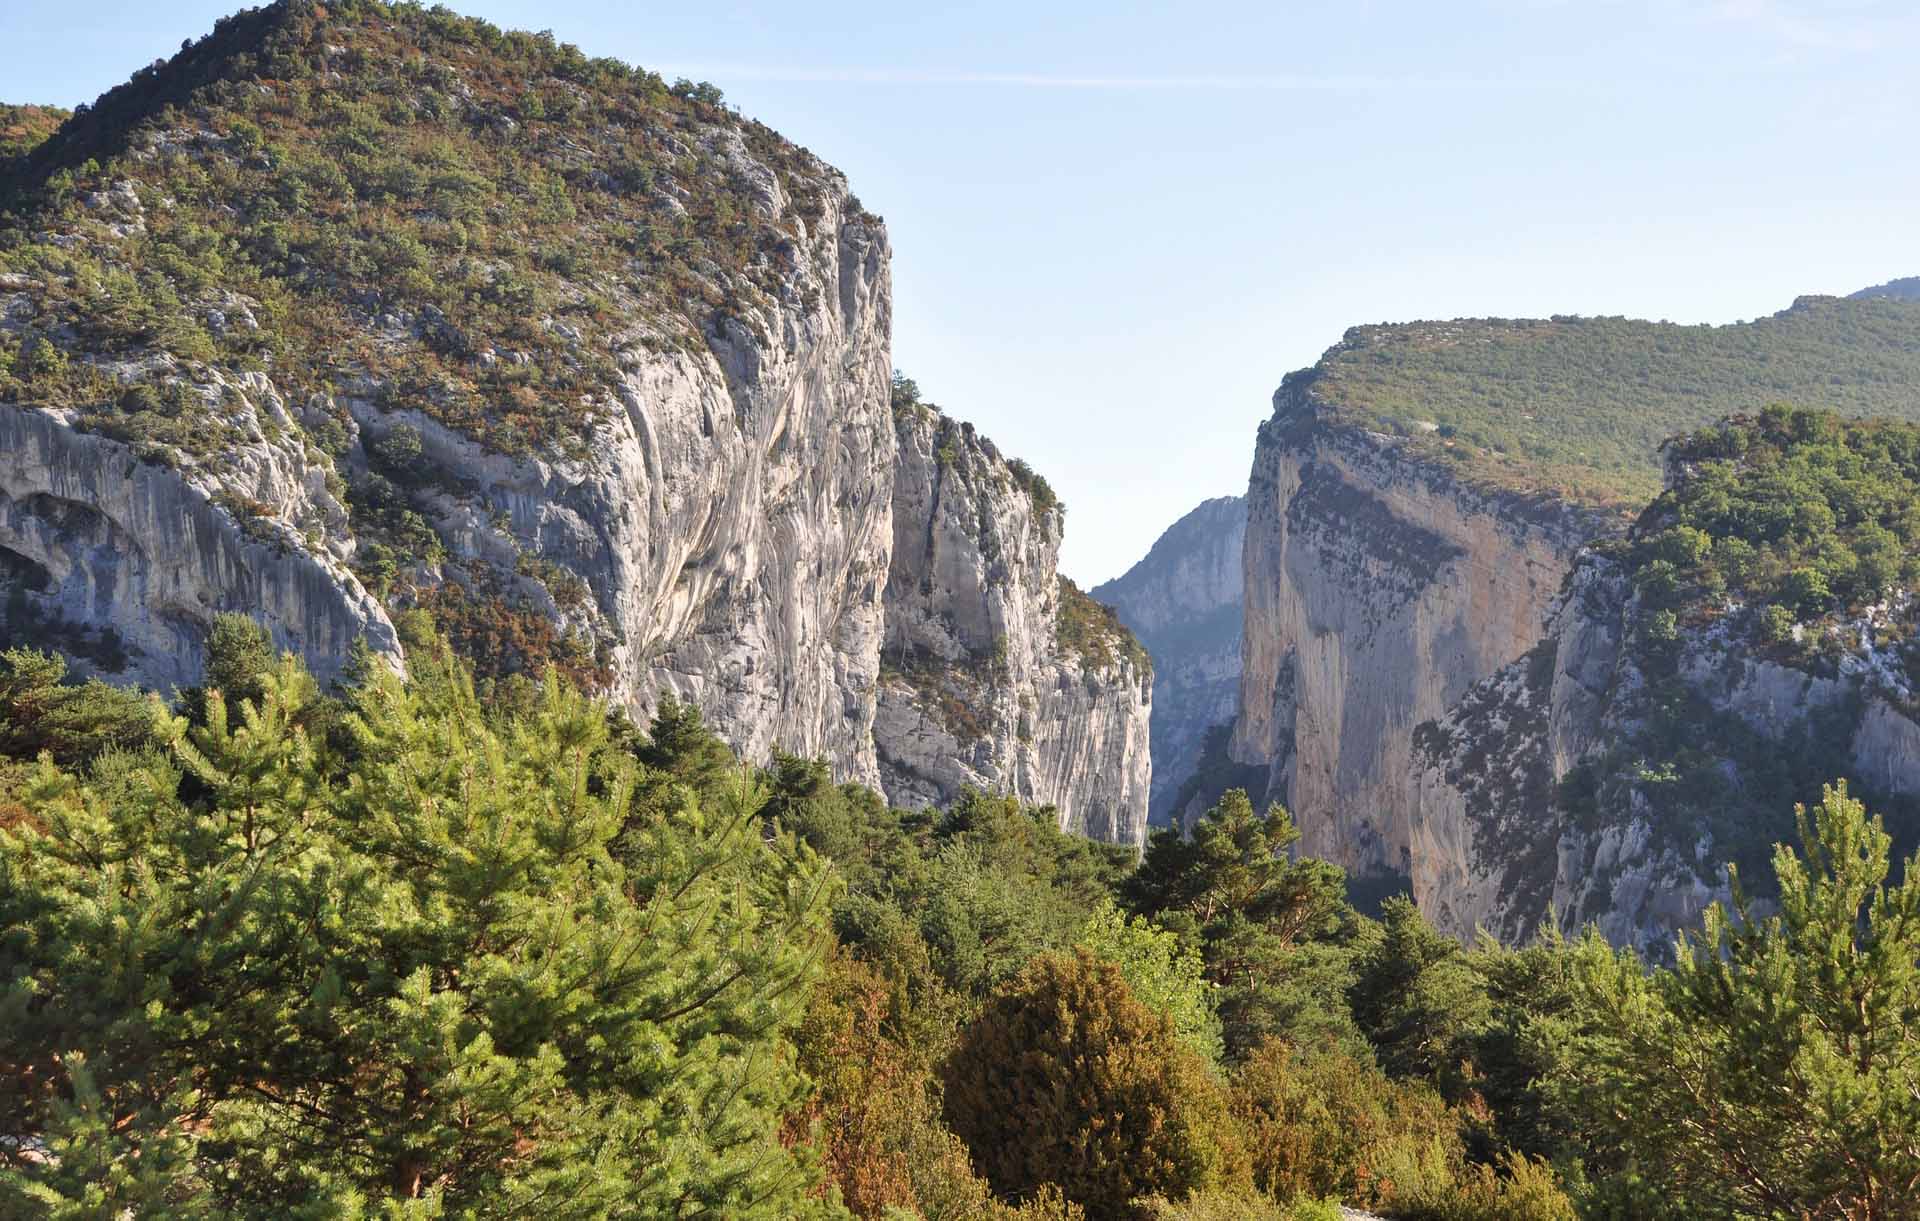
(1116, 225)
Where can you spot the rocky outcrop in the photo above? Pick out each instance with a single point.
(727, 510)
(124, 561)
(1183, 600)
(996, 674)
(722, 510)
(1379, 588)
(1559, 785)
(733, 520)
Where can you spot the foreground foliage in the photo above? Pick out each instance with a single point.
(1775, 1070)
(455, 971)
(1066, 1078)
(423, 948)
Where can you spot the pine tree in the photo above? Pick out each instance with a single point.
(462, 974)
(1774, 1070)
(1267, 924)
(1416, 995)
(41, 710)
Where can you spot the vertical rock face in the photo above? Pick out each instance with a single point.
(996, 673)
(736, 533)
(1431, 697)
(731, 520)
(1184, 600)
(1378, 590)
(1546, 789)
(125, 562)
(615, 397)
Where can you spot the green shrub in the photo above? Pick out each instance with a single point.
(1522, 1189)
(1776, 624)
(1166, 978)
(1322, 1123)
(1066, 1079)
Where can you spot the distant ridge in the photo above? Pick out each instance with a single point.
(1907, 288)
(1574, 408)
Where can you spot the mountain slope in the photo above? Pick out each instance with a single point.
(1391, 568)
(1183, 600)
(1904, 289)
(400, 312)
(1576, 408)
(1694, 682)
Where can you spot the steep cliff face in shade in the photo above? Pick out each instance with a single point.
(996, 673)
(1378, 590)
(354, 310)
(1552, 787)
(1183, 600)
(125, 562)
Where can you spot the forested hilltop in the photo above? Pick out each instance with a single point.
(427, 948)
(1752, 638)
(1577, 407)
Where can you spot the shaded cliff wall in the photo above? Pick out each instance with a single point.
(1184, 601)
(1378, 590)
(1549, 786)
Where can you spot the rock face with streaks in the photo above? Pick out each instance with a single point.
(1447, 680)
(1547, 788)
(614, 397)
(124, 562)
(1183, 601)
(997, 673)
(1378, 590)
(721, 532)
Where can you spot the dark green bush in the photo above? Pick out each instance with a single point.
(1066, 1079)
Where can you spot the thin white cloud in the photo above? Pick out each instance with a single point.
(1795, 25)
(1276, 83)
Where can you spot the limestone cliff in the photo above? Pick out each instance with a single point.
(1183, 600)
(123, 562)
(997, 673)
(718, 527)
(1561, 785)
(1379, 588)
(594, 372)
(1416, 505)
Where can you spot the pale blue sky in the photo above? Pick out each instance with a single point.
(1116, 225)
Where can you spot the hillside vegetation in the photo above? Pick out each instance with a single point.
(1790, 537)
(474, 218)
(24, 127)
(1578, 406)
(403, 949)
(1790, 517)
